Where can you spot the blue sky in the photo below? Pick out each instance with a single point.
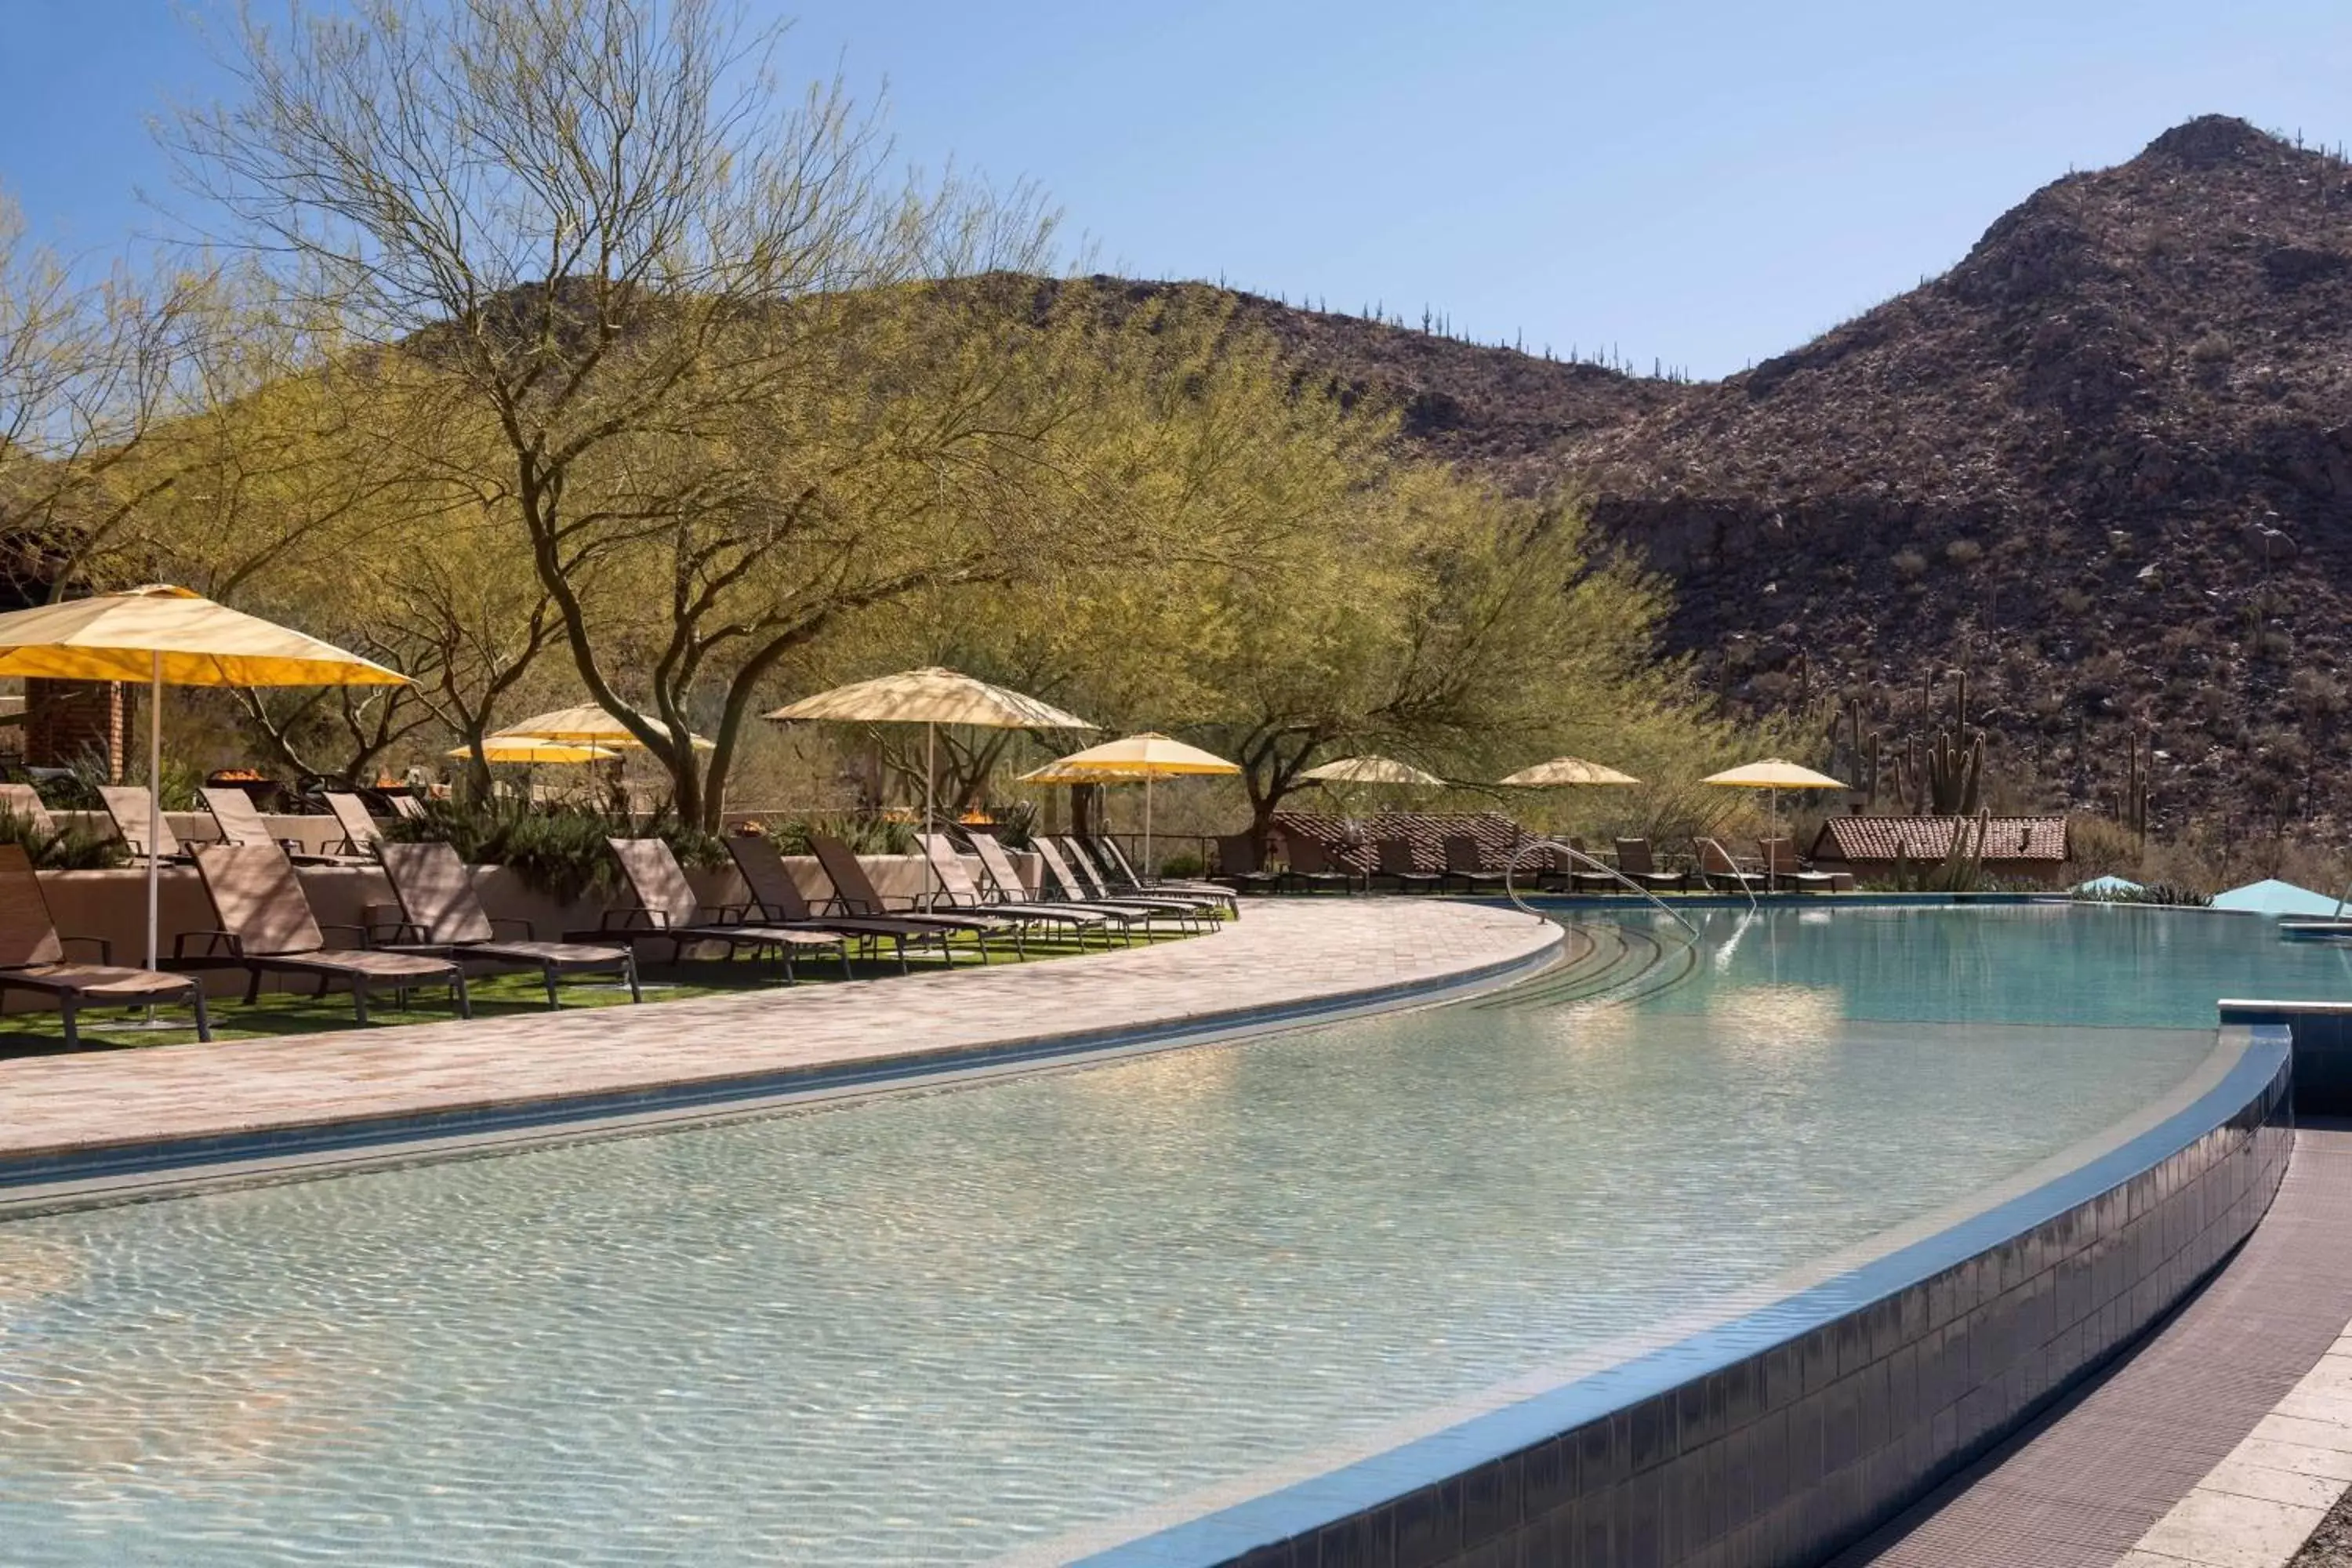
(1703, 184)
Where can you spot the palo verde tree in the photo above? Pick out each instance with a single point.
(694, 326)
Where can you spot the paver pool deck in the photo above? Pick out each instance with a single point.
(1284, 954)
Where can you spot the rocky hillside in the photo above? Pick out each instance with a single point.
(2104, 465)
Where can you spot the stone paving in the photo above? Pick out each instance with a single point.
(1284, 952)
(2220, 1443)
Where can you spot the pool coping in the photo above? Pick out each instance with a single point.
(1441, 1487)
(135, 1168)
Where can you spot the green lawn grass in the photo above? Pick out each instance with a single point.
(494, 995)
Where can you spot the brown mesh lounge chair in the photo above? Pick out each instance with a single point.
(33, 958)
(241, 822)
(442, 912)
(360, 835)
(267, 926)
(1314, 865)
(127, 808)
(1635, 863)
(1465, 863)
(1015, 893)
(1715, 865)
(1397, 864)
(1122, 876)
(23, 802)
(667, 910)
(780, 901)
(1783, 866)
(1072, 863)
(1096, 880)
(963, 893)
(853, 893)
(1240, 865)
(406, 804)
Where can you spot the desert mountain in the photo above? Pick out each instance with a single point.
(2104, 465)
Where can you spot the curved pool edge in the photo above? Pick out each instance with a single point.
(135, 1169)
(1782, 1435)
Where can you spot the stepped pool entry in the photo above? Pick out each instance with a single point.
(1027, 1318)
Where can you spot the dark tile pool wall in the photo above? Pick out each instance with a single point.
(2323, 1049)
(1792, 1452)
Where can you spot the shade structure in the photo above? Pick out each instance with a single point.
(166, 636)
(1372, 771)
(586, 725)
(531, 751)
(1772, 775)
(1148, 756)
(1562, 770)
(930, 697)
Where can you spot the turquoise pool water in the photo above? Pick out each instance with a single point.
(945, 1327)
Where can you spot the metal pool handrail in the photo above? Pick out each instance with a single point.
(1511, 867)
(1717, 845)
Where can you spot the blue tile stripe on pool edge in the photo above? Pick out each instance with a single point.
(1307, 1505)
(129, 1159)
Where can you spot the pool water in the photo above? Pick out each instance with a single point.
(944, 1327)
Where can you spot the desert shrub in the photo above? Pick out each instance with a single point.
(1908, 563)
(1963, 552)
(559, 851)
(1183, 863)
(66, 848)
(864, 835)
(2175, 894)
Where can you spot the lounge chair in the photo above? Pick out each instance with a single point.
(780, 901)
(965, 894)
(1715, 865)
(1123, 875)
(1315, 866)
(23, 802)
(1465, 863)
(360, 835)
(1242, 867)
(442, 912)
(1064, 887)
(667, 910)
(1397, 865)
(1094, 875)
(1015, 893)
(1635, 863)
(853, 893)
(267, 925)
(1781, 865)
(1074, 865)
(406, 804)
(33, 957)
(240, 822)
(127, 806)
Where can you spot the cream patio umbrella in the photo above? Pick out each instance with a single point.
(163, 636)
(1371, 771)
(1562, 770)
(1772, 775)
(1148, 756)
(930, 698)
(586, 725)
(531, 751)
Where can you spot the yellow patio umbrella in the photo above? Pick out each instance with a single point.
(1772, 775)
(1148, 756)
(1568, 771)
(160, 635)
(930, 698)
(586, 725)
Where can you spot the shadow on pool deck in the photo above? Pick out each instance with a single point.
(2080, 1487)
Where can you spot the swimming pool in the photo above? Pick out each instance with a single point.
(951, 1326)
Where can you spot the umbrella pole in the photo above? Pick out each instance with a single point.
(155, 795)
(931, 771)
(1146, 827)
